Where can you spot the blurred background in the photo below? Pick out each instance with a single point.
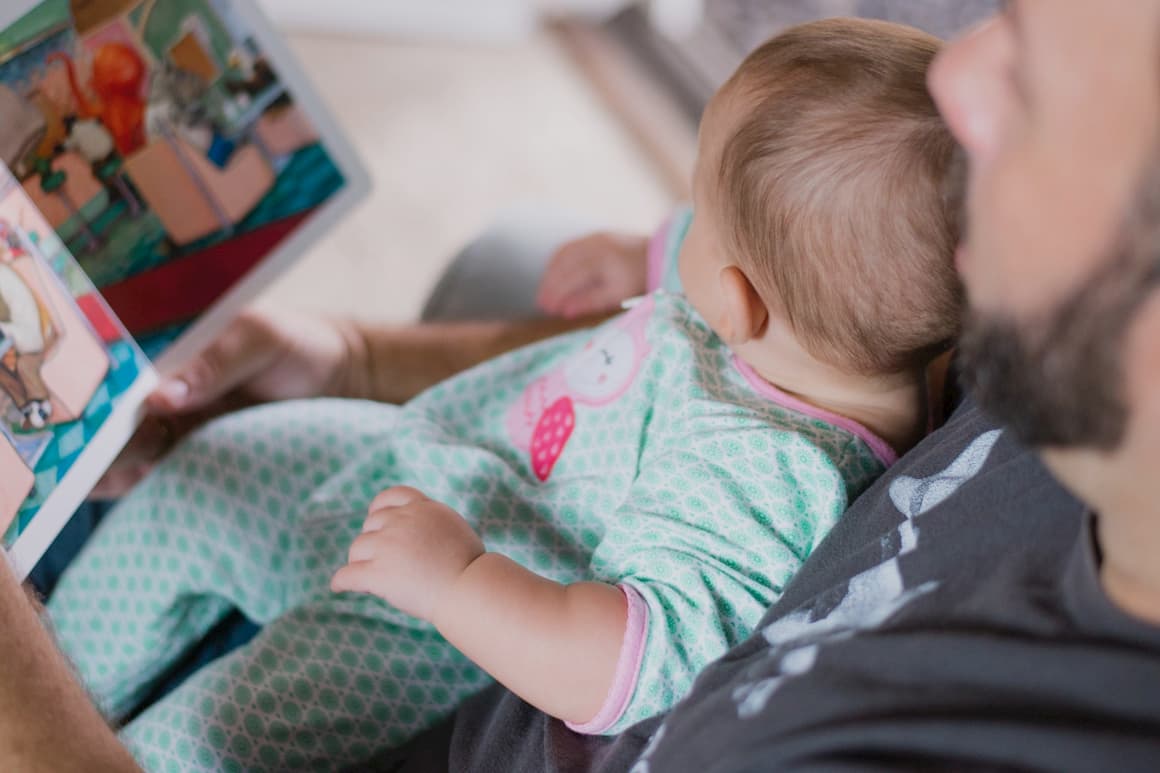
(464, 108)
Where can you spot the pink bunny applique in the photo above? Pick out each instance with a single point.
(544, 418)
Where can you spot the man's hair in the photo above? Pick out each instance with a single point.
(834, 193)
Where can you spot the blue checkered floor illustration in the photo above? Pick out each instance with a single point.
(70, 439)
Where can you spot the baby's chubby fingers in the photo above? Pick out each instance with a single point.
(411, 551)
(366, 546)
(570, 269)
(398, 496)
(354, 578)
(385, 506)
(369, 564)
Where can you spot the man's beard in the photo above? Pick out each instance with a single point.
(1059, 380)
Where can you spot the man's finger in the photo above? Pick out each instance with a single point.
(151, 440)
(149, 443)
(117, 482)
(169, 396)
(240, 353)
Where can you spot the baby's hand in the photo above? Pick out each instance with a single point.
(594, 274)
(411, 551)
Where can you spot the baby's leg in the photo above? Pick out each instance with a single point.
(216, 526)
(317, 690)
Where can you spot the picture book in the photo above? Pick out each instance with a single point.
(71, 379)
(161, 161)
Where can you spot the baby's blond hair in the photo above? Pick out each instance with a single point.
(834, 192)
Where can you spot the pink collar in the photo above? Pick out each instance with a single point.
(887, 455)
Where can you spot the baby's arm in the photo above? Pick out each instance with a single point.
(556, 646)
(594, 274)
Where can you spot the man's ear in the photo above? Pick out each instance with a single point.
(743, 314)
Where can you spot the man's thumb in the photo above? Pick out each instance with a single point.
(171, 396)
(236, 357)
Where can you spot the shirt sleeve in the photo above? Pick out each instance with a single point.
(710, 534)
(664, 249)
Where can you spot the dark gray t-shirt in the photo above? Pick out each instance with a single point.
(952, 620)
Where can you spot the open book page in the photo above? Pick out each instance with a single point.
(71, 380)
(175, 149)
(178, 151)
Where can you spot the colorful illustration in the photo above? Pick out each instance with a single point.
(66, 366)
(543, 419)
(161, 145)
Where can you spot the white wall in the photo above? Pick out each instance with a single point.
(448, 19)
(454, 19)
(494, 20)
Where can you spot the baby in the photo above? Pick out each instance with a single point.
(594, 518)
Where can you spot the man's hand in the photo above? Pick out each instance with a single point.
(594, 274)
(261, 357)
(411, 552)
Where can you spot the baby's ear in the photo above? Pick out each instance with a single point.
(744, 315)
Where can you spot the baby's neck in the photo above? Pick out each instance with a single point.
(893, 407)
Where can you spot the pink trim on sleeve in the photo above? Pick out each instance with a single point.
(657, 249)
(627, 667)
(887, 455)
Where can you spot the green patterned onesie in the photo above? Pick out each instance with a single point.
(641, 454)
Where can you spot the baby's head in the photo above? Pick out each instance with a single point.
(822, 221)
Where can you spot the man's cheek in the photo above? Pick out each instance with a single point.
(1006, 230)
(978, 259)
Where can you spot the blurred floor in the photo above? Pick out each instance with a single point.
(452, 134)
